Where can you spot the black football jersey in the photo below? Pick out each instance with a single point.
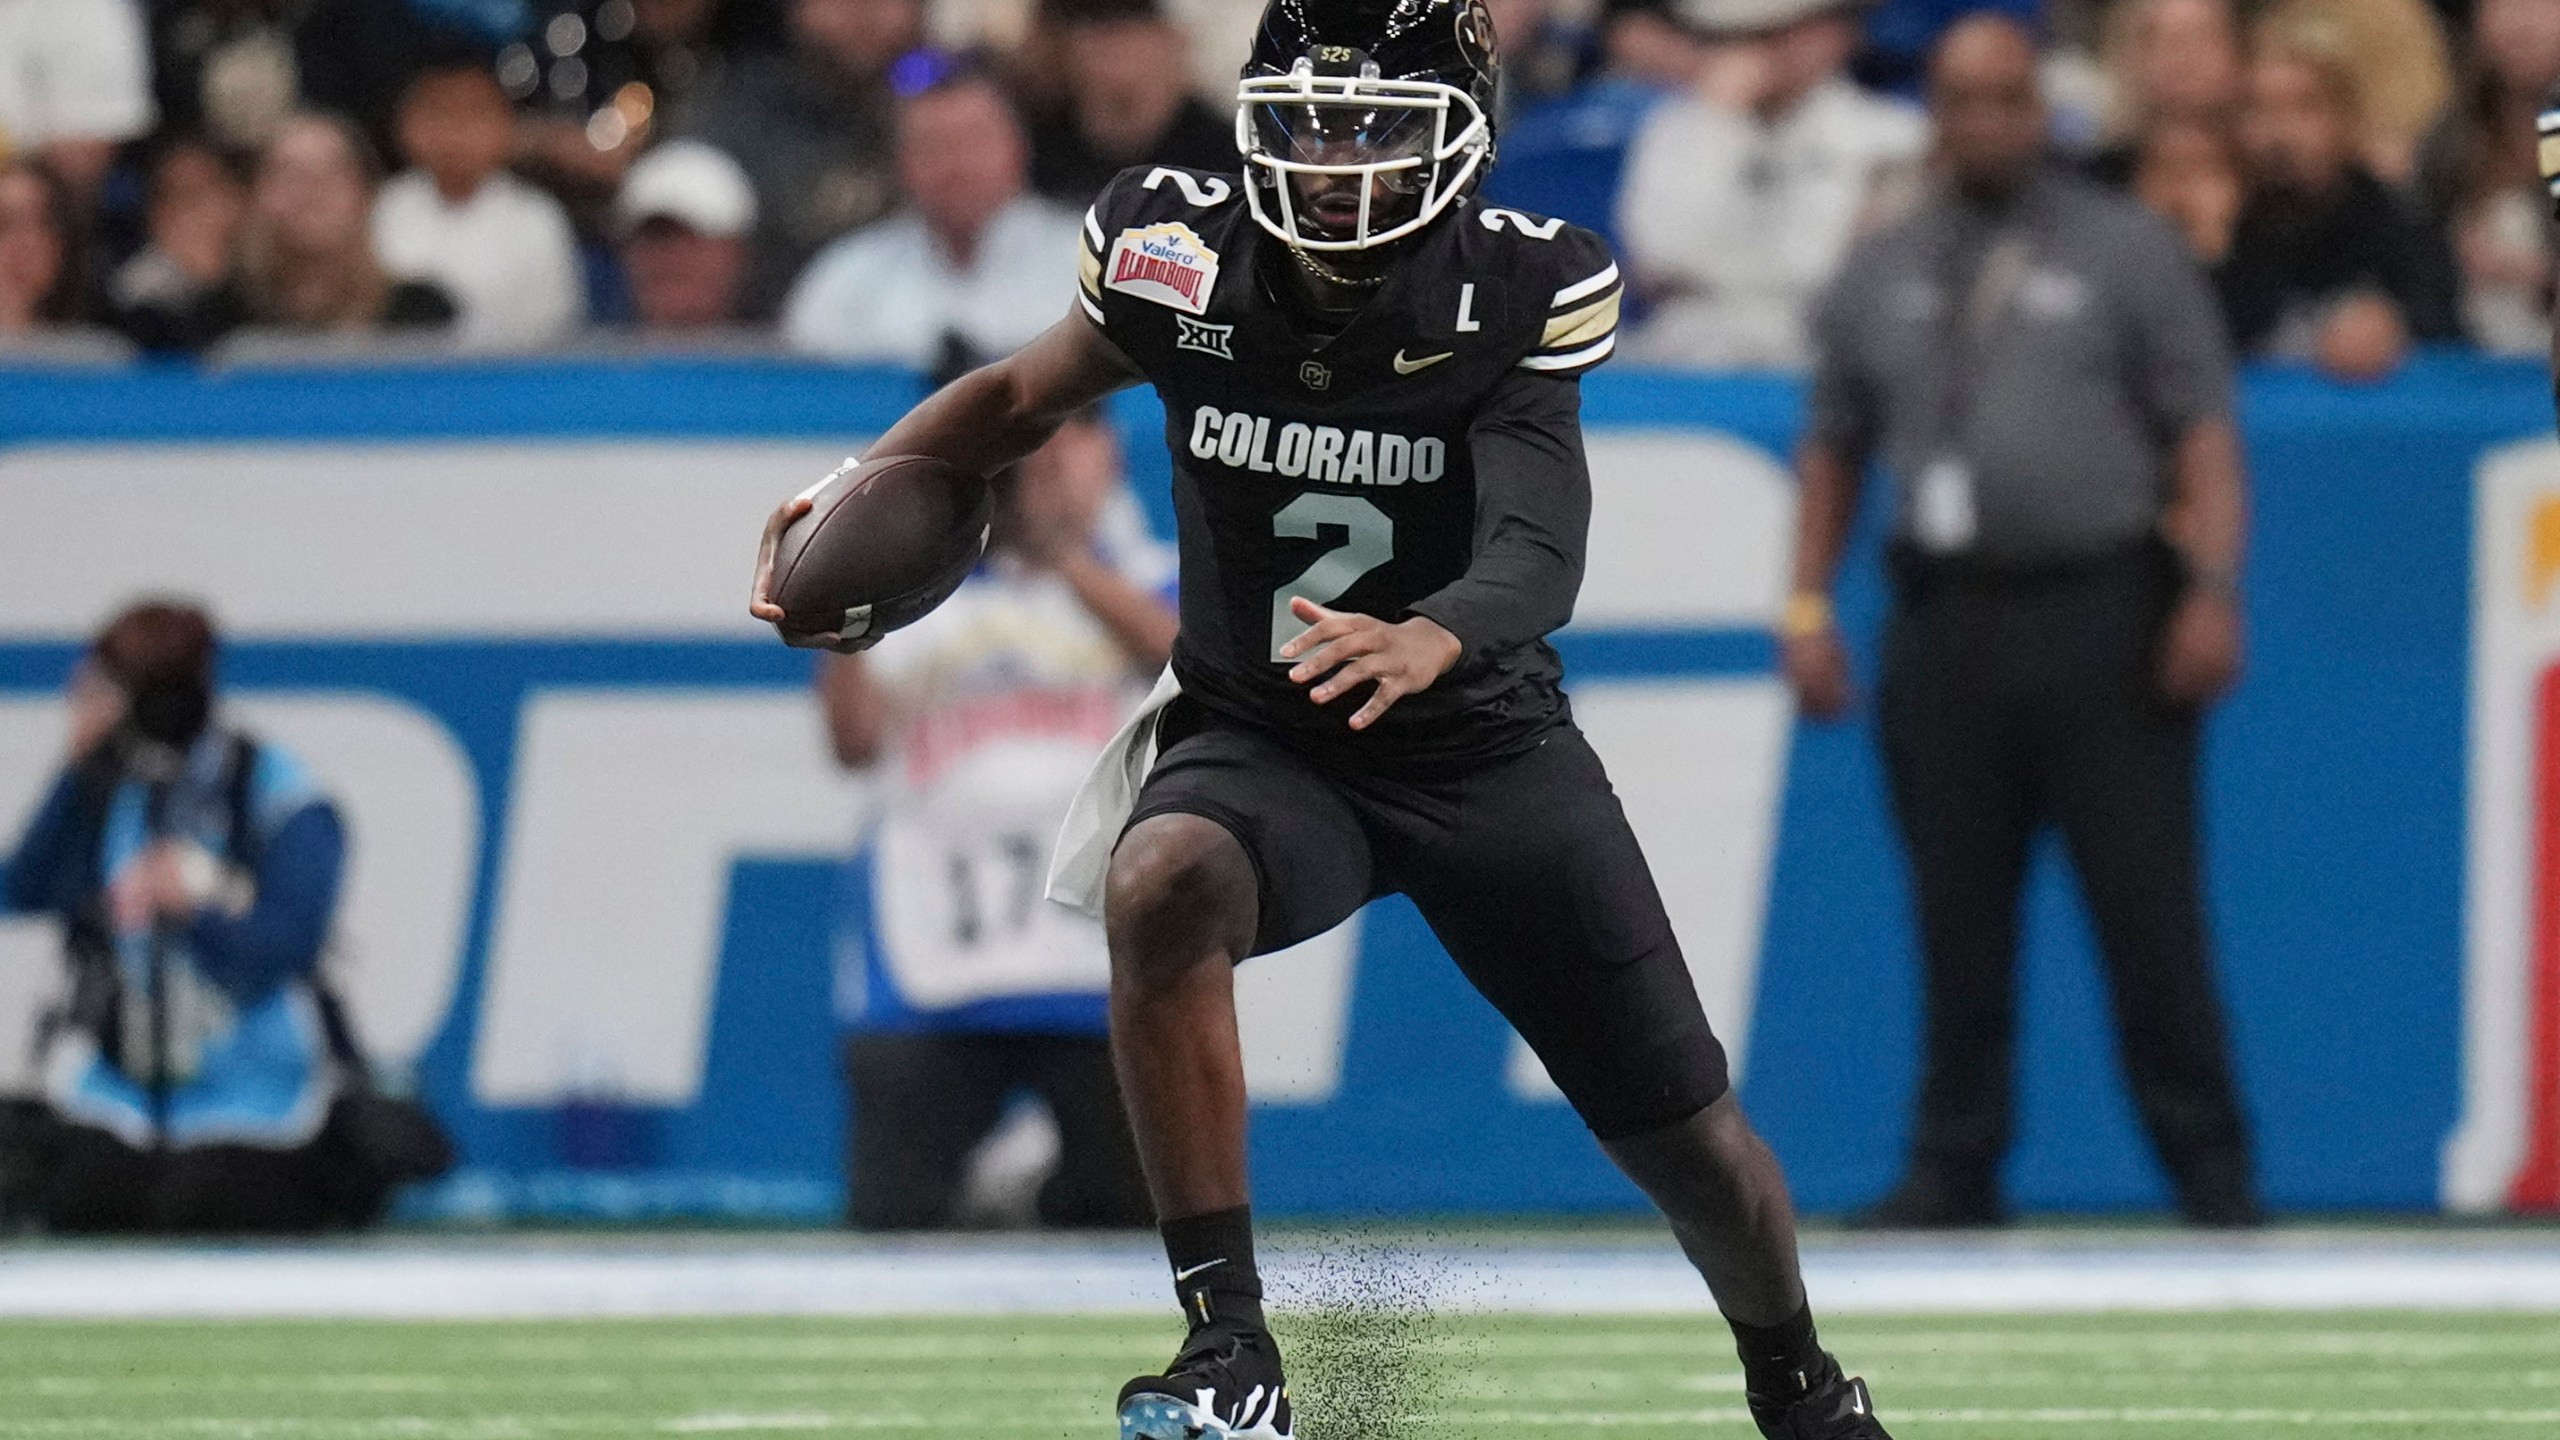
(1338, 469)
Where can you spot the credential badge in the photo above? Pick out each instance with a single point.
(1204, 337)
(1167, 264)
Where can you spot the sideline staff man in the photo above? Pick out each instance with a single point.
(2044, 374)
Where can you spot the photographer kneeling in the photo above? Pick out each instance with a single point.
(193, 1080)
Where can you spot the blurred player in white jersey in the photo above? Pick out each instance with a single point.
(980, 721)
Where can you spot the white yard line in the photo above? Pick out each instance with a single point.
(2179, 1415)
(2202, 1415)
(504, 1427)
(464, 1280)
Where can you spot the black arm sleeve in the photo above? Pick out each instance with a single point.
(1533, 515)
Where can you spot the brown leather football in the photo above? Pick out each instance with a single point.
(884, 541)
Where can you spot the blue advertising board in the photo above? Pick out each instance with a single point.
(483, 584)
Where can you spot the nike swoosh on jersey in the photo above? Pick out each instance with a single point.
(1407, 367)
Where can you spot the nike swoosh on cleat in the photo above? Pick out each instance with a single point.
(1181, 1275)
(1407, 367)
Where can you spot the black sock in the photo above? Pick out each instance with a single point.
(1780, 1362)
(1213, 1275)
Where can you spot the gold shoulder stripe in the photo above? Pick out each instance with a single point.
(1089, 255)
(1589, 286)
(1582, 327)
(1581, 359)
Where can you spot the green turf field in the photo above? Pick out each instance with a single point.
(1544, 1378)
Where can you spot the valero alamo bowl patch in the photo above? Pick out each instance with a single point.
(1167, 264)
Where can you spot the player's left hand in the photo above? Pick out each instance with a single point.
(760, 599)
(1340, 650)
(2200, 650)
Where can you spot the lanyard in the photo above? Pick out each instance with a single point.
(1999, 269)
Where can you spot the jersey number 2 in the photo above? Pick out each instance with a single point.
(1370, 543)
(1497, 219)
(1201, 191)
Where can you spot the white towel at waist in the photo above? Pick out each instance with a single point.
(1102, 805)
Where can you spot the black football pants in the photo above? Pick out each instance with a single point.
(2015, 701)
(921, 1104)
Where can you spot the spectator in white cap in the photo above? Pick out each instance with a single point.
(1742, 196)
(683, 223)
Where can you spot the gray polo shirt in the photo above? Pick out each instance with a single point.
(2043, 360)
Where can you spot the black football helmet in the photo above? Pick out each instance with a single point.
(1385, 106)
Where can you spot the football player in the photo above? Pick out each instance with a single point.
(1370, 383)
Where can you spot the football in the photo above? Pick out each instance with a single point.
(885, 540)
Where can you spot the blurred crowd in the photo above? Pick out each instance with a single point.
(900, 180)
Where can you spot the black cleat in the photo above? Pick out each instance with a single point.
(1833, 1407)
(1225, 1385)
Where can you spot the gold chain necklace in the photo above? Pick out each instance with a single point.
(1326, 272)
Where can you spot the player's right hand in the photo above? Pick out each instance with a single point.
(1817, 668)
(1341, 649)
